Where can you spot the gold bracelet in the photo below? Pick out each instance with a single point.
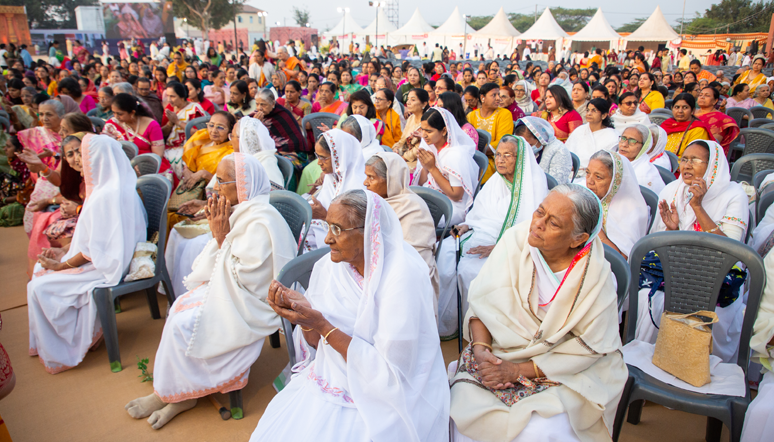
(305, 329)
(713, 230)
(537, 370)
(69, 265)
(53, 201)
(325, 338)
(484, 344)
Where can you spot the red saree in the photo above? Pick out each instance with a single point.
(722, 127)
(564, 126)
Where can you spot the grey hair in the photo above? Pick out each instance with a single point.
(57, 105)
(108, 90)
(641, 128)
(605, 158)
(379, 166)
(585, 207)
(69, 139)
(123, 88)
(758, 89)
(352, 127)
(231, 163)
(30, 89)
(356, 203)
(267, 95)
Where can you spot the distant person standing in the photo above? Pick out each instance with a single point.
(437, 54)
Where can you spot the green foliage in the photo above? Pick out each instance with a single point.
(632, 25)
(301, 15)
(50, 14)
(571, 20)
(142, 365)
(206, 14)
(731, 16)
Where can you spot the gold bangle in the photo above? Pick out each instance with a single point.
(53, 201)
(537, 370)
(484, 344)
(305, 329)
(69, 265)
(325, 338)
(713, 230)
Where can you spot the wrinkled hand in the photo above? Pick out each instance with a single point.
(46, 153)
(297, 311)
(281, 297)
(33, 161)
(218, 211)
(68, 209)
(48, 263)
(191, 207)
(669, 215)
(323, 127)
(39, 205)
(482, 251)
(699, 189)
(54, 253)
(427, 159)
(190, 180)
(495, 373)
(258, 114)
(318, 210)
(460, 229)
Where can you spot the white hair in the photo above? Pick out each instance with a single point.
(123, 88)
(57, 105)
(267, 95)
(585, 207)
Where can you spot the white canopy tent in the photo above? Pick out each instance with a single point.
(452, 33)
(345, 31)
(597, 29)
(499, 33)
(545, 30)
(415, 31)
(655, 28)
(383, 26)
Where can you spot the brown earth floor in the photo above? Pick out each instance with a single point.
(87, 402)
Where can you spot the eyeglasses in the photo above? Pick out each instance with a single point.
(630, 141)
(693, 161)
(213, 126)
(519, 90)
(336, 230)
(223, 182)
(628, 103)
(505, 156)
(322, 158)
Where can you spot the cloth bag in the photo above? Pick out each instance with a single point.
(684, 345)
(182, 195)
(143, 265)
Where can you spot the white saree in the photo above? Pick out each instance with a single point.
(215, 332)
(584, 143)
(62, 312)
(392, 386)
(369, 143)
(647, 174)
(621, 121)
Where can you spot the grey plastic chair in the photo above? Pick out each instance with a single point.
(6, 123)
(758, 122)
(658, 119)
(575, 165)
(386, 149)
(147, 163)
(483, 163)
(673, 160)
(651, 199)
(483, 140)
(668, 104)
(746, 167)
(92, 113)
(551, 182)
(440, 206)
(620, 269)
(761, 112)
(695, 265)
(298, 270)
(286, 167)
(296, 211)
(666, 175)
(769, 126)
(195, 124)
(757, 140)
(98, 124)
(155, 195)
(763, 202)
(738, 113)
(759, 177)
(316, 119)
(130, 149)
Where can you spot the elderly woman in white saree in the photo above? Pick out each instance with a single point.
(508, 198)
(251, 137)
(624, 211)
(339, 155)
(550, 153)
(636, 143)
(658, 156)
(62, 312)
(215, 332)
(544, 361)
(387, 175)
(445, 161)
(378, 372)
(362, 129)
(704, 199)
(598, 134)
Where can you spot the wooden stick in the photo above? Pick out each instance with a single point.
(225, 413)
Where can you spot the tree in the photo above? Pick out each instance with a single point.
(731, 16)
(50, 14)
(207, 14)
(301, 16)
(632, 25)
(571, 20)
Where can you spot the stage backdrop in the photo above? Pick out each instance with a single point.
(139, 20)
(13, 26)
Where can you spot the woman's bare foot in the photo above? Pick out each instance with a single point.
(160, 418)
(144, 406)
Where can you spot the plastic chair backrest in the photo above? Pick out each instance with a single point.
(296, 211)
(98, 123)
(759, 177)
(483, 163)
(666, 175)
(155, 191)
(6, 123)
(747, 166)
(758, 122)
(768, 126)
(286, 167)
(439, 204)
(620, 269)
(651, 199)
(738, 113)
(483, 140)
(575, 165)
(668, 104)
(551, 182)
(196, 124)
(147, 163)
(658, 119)
(386, 149)
(763, 202)
(761, 112)
(92, 113)
(757, 140)
(695, 265)
(315, 119)
(673, 160)
(130, 149)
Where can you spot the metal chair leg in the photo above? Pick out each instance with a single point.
(235, 397)
(274, 339)
(107, 317)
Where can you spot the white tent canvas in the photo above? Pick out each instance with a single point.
(499, 33)
(345, 30)
(452, 32)
(382, 25)
(415, 31)
(655, 28)
(545, 28)
(597, 29)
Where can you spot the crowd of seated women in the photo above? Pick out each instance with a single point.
(543, 359)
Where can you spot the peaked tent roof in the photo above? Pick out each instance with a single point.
(415, 26)
(597, 29)
(655, 28)
(347, 24)
(545, 28)
(454, 25)
(499, 27)
(385, 26)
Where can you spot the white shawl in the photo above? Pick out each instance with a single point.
(369, 143)
(394, 372)
(234, 313)
(763, 330)
(584, 143)
(657, 155)
(500, 206)
(348, 166)
(254, 139)
(621, 121)
(646, 172)
(725, 200)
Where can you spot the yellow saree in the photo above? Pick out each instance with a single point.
(198, 156)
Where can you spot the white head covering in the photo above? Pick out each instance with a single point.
(621, 122)
(646, 172)
(369, 143)
(348, 166)
(251, 179)
(110, 194)
(657, 155)
(584, 143)
(624, 211)
(725, 201)
(255, 140)
(526, 104)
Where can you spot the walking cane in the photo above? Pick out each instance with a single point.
(459, 295)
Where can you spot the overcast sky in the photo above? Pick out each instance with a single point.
(324, 15)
